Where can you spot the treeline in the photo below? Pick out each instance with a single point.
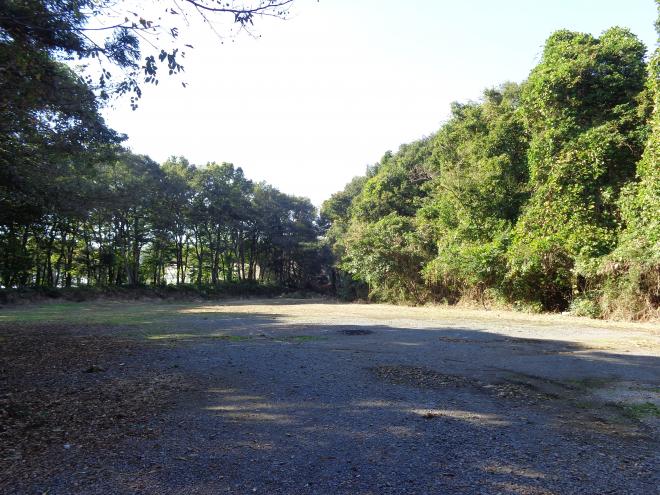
(130, 221)
(78, 209)
(543, 195)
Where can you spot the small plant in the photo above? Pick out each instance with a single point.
(533, 307)
(588, 383)
(640, 411)
(234, 338)
(585, 306)
(299, 338)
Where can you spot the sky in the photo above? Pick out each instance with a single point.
(312, 100)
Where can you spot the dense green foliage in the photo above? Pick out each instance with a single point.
(544, 195)
(131, 46)
(77, 209)
(632, 272)
(133, 222)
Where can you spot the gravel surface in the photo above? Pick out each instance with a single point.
(293, 397)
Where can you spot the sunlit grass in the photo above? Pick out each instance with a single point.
(165, 323)
(108, 313)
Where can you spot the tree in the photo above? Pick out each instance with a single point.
(175, 215)
(543, 195)
(395, 184)
(632, 271)
(114, 33)
(50, 134)
(580, 106)
(334, 221)
(386, 256)
(480, 169)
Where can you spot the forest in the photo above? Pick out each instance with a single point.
(79, 209)
(544, 195)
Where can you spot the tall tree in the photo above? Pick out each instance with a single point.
(580, 105)
(633, 269)
(479, 186)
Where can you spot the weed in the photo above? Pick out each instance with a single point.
(302, 338)
(640, 411)
(585, 384)
(233, 338)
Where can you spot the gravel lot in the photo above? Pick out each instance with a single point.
(314, 397)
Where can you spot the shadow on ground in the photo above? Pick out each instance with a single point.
(370, 409)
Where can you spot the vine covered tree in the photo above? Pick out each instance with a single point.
(581, 105)
(542, 195)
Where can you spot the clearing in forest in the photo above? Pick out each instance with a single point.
(311, 396)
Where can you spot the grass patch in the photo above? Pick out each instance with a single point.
(641, 411)
(306, 338)
(106, 313)
(188, 336)
(172, 336)
(233, 338)
(589, 383)
(655, 390)
(299, 338)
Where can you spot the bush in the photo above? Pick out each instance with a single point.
(585, 306)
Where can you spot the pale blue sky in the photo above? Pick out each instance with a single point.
(318, 97)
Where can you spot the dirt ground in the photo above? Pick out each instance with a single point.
(311, 397)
